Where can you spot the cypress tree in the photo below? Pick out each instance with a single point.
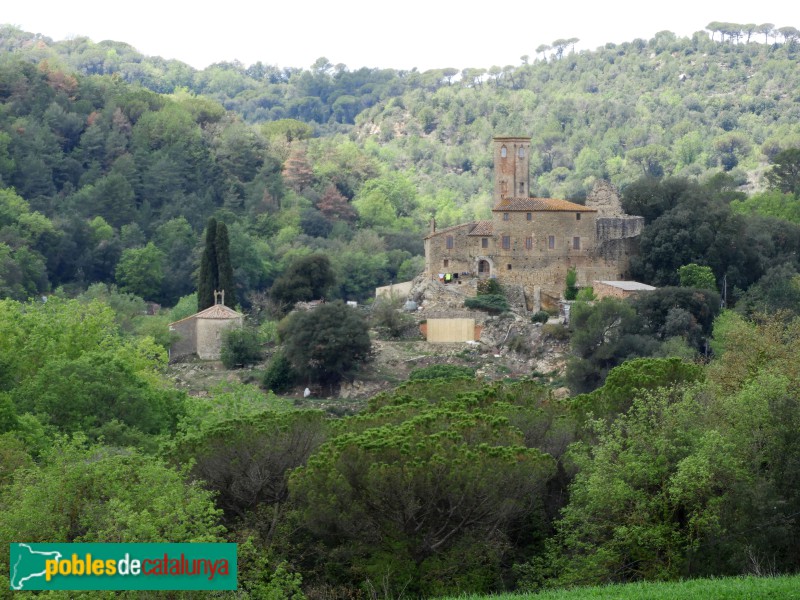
(225, 269)
(208, 280)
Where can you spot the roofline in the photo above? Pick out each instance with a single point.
(451, 228)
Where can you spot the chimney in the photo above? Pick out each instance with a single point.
(433, 224)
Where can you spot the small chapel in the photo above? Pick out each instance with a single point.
(533, 242)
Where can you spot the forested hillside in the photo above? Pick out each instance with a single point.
(120, 159)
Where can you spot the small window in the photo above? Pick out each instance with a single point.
(521, 187)
(506, 242)
(521, 152)
(503, 152)
(551, 242)
(529, 243)
(577, 216)
(528, 216)
(484, 242)
(508, 266)
(576, 243)
(449, 242)
(505, 216)
(446, 262)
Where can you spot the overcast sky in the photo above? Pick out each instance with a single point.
(402, 34)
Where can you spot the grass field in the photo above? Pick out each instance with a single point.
(732, 588)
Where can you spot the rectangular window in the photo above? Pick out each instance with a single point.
(529, 243)
(506, 242)
(576, 243)
(446, 263)
(505, 216)
(551, 242)
(449, 242)
(484, 242)
(528, 216)
(577, 216)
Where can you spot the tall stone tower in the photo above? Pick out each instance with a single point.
(511, 168)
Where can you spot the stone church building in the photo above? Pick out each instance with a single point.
(533, 242)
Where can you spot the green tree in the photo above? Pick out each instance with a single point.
(326, 344)
(570, 289)
(208, 279)
(785, 172)
(414, 492)
(84, 493)
(307, 278)
(140, 271)
(224, 266)
(697, 276)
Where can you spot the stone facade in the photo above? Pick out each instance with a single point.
(533, 242)
(201, 334)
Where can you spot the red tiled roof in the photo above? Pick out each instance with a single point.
(218, 311)
(482, 228)
(540, 204)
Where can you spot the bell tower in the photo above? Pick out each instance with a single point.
(511, 168)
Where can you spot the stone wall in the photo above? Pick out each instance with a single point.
(186, 343)
(209, 336)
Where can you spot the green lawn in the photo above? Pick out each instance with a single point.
(755, 588)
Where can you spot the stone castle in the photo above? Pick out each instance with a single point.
(533, 242)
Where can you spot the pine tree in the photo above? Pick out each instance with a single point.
(208, 281)
(224, 267)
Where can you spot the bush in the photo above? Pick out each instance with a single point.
(540, 317)
(240, 347)
(279, 376)
(387, 316)
(555, 331)
(441, 372)
(491, 303)
(489, 287)
(571, 290)
(326, 344)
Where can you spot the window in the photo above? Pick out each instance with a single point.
(529, 243)
(528, 216)
(503, 152)
(449, 242)
(576, 243)
(484, 242)
(521, 187)
(446, 262)
(505, 216)
(577, 216)
(508, 266)
(551, 242)
(506, 242)
(521, 152)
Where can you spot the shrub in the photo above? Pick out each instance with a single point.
(491, 303)
(585, 294)
(540, 317)
(279, 376)
(441, 372)
(386, 315)
(240, 347)
(489, 287)
(555, 331)
(326, 344)
(571, 290)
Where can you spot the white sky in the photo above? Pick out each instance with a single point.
(401, 34)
